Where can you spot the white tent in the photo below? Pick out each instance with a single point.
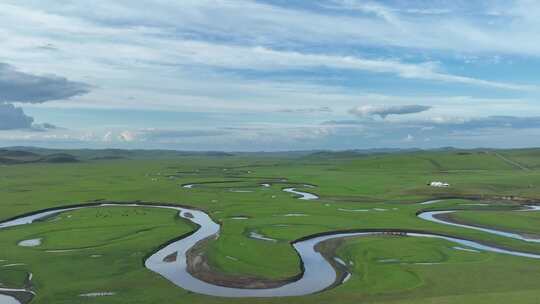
(439, 184)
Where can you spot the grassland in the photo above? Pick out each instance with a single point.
(107, 246)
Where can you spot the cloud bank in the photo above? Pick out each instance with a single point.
(307, 110)
(12, 118)
(16, 86)
(384, 110)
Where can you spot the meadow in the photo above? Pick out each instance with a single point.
(97, 255)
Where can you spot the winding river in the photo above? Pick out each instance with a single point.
(318, 274)
(8, 299)
(303, 195)
(5, 299)
(432, 217)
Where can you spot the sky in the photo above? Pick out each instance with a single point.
(269, 75)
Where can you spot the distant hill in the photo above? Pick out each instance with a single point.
(18, 155)
(111, 157)
(441, 158)
(59, 158)
(140, 154)
(13, 157)
(208, 153)
(357, 153)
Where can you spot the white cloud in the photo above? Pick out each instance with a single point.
(202, 55)
(127, 136)
(12, 117)
(16, 86)
(306, 110)
(437, 25)
(271, 137)
(408, 138)
(108, 137)
(141, 46)
(385, 110)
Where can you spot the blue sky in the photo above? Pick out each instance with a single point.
(269, 75)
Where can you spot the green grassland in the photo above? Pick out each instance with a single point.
(102, 249)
